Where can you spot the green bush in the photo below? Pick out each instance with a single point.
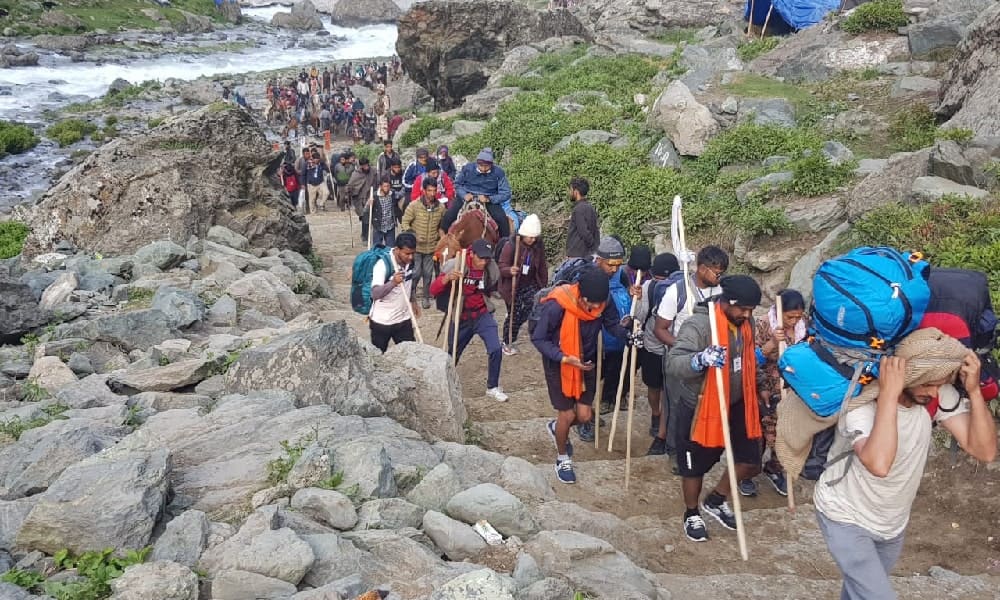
(814, 175)
(755, 47)
(154, 122)
(16, 138)
(70, 131)
(419, 130)
(878, 15)
(750, 143)
(12, 235)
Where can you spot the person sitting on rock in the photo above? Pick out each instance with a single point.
(389, 317)
(570, 321)
(475, 311)
(484, 181)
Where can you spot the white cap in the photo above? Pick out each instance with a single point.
(532, 227)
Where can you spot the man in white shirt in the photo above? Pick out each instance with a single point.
(863, 502)
(711, 264)
(389, 318)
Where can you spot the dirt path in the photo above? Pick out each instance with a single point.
(955, 522)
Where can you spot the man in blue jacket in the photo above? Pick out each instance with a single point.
(486, 182)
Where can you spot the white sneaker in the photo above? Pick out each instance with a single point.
(497, 394)
(509, 349)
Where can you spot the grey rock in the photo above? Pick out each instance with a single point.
(183, 539)
(213, 387)
(326, 506)
(932, 189)
(163, 255)
(306, 283)
(90, 392)
(773, 161)
(336, 558)
(867, 166)
(859, 122)
(12, 516)
(80, 364)
(664, 155)
(516, 61)
(192, 264)
(457, 540)
(51, 374)
(366, 463)
(491, 502)
(37, 282)
(483, 584)
(803, 270)
(687, 123)
(351, 586)
(770, 182)
(463, 128)
(481, 104)
(812, 214)
(227, 237)
(889, 185)
(914, 86)
(436, 488)
(546, 589)
(730, 106)
(969, 95)
(157, 580)
(181, 374)
(389, 513)
(264, 291)
(215, 256)
(435, 404)
(525, 480)
(181, 307)
(9, 591)
(295, 261)
(275, 553)
(19, 311)
(241, 585)
(948, 161)
(81, 512)
(138, 329)
(767, 111)
(303, 17)
(223, 312)
(472, 465)
(59, 291)
(942, 29)
(171, 351)
(312, 467)
(587, 137)
(836, 153)
(526, 571)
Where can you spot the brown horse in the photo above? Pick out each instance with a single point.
(471, 226)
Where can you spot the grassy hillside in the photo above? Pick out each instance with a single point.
(109, 15)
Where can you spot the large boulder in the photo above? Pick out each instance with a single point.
(171, 184)
(943, 26)
(355, 14)
(450, 48)
(436, 400)
(19, 310)
(81, 511)
(157, 580)
(969, 94)
(687, 123)
(629, 16)
(304, 17)
(138, 329)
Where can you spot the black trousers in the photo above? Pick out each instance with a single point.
(398, 333)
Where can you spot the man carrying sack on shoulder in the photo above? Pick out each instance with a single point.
(700, 441)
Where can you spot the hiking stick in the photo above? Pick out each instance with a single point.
(781, 390)
(459, 305)
(413, 317)
(599, 392)
(749, 32)
(371, 206)
(766, 21)
(730, 463)
(350, 223)
(621, 373)
(513, 291)
(631, 405)
(451, 307)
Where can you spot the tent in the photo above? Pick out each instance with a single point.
(788, 15)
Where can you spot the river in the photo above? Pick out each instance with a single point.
(26, 92)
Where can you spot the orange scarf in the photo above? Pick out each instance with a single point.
(706, 430)
(569, 335)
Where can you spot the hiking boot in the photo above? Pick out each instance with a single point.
(585, 431)
(497, 394)
(509, 350)
(657, 448)
(694, 529)
(721, 512)
(564, 471)
(779, 482)
(748, 487)
(551, 428)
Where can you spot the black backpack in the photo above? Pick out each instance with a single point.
(569, 271)
(660, 288)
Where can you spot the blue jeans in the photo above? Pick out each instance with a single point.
(864, 559)
(485, 326)
(384, 238)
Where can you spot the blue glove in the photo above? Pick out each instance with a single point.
(713, 356)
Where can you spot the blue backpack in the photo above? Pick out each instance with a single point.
(361, 277)
(870, 298)
(823, 383)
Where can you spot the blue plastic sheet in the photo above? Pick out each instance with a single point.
(798, 14)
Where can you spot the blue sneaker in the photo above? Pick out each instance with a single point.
(551, 427)
(586, 432)
(778, 481)
(748, 487)
(564, 471)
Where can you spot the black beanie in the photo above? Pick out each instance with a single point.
(594, 285)
(664, 264)
(740, 290)
(641, 258)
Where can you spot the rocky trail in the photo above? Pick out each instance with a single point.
(644, 521)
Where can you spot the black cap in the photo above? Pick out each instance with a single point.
(740, 290)
(482, 248)
(664, 264)
(594, 285)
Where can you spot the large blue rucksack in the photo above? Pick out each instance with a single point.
(361, 277)
(820, 380)
(870, 298)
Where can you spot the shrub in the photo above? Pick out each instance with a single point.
(878, 15)
(754, 48)
(958, 134)
(814, 175)
(12, 235)
(70, 131)
(912, 128)
(16, 138)
(420, 130)
(749, 143)
(154, 122)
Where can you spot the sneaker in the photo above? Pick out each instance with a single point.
(694, 529)
(425, 303)
(657, 448)
(607, 408)
(748, 487)
(564, 471)
(551, 427)
(585, 431)
(497, 394)
(721, 512)
(509, 349)
(779, 482)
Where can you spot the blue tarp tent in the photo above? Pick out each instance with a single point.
(789, 15)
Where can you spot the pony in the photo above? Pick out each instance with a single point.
(473, 223)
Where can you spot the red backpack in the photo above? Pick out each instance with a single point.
(291, 183)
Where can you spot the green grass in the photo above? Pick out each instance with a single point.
(279, 468)
(677, 35)
(115, 99)
(750, 50)
(139, 298)
(155, 122)
(15, 426)
(70, 131)
(878, 15)
(109, 15)
(915, 127)
(422, 128)
(12, 236)
(16, 138)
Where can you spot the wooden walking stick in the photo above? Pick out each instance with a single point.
(767, 20)
(631, 403)
(444, 259)
(749, 31)
(781, 390)
(599, 392)
(513, 290)
(459, 305)
(371, 206)
(724, 412)
(451, 304)
(413, 317)
(622, 373)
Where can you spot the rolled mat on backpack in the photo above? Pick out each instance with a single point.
(930, 356)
